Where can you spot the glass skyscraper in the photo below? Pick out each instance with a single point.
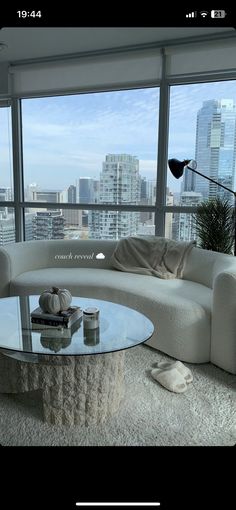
(215, 149)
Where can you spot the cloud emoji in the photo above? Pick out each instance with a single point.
(100, 256)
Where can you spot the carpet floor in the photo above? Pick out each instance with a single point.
(150, 415)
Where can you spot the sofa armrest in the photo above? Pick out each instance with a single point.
(5, 273)
(16, 258)
(223, 336)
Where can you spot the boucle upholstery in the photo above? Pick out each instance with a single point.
(194, 317)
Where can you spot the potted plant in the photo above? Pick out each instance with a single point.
(214, 225)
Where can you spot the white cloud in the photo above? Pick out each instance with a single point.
(44, 129)
(100, 256)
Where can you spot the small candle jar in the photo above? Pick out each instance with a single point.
(91, 336)
(91, 318)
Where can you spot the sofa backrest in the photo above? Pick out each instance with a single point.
(80, 253)
(203, 266)
(30, 255)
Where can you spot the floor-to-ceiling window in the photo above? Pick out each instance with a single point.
(97, 148)
(202, 127)
(89, 159)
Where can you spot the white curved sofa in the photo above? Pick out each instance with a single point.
(194, 317)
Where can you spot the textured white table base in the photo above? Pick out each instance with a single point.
(77, 390)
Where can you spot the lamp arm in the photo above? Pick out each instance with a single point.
(212, 180)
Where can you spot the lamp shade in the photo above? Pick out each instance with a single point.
(177, 167)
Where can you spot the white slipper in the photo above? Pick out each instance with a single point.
(170, 378)
(184, 371)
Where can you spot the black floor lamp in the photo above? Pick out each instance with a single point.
(177, 169)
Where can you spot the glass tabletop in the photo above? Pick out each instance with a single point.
(120, 327)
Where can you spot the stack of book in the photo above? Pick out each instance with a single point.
(65, 319)
(56, 332)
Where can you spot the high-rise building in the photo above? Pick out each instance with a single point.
(47, 196)
(85, 190)
(96, 191)
(184, 229)
(72, 194)
(85, 195)
(215, 149)
(30, 189)
(48, 225)
(7, 229)
(119, 184)
(143, 190)
(151, 192)
(73, 217)
(5, 194)
(29, 217)
(144, 217)
(169, 216)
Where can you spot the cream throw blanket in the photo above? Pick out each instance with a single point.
(151, 255)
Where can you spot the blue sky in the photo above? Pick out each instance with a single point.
(65, 138)
(71, 135)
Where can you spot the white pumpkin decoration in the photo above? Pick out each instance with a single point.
(55, 300)
(54, 344)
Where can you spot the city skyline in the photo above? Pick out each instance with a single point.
(208, 131)
(69, 136)
(216, 147)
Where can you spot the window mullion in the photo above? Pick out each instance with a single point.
(162, 152)
(17, 167)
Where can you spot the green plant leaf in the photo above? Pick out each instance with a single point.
(214, 225)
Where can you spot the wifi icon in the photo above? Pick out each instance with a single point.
(204, 13)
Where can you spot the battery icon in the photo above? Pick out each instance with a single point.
(218, 14)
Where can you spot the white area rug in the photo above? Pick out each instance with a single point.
(150, 415)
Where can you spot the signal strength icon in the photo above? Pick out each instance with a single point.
(191, 14)
(204, 13)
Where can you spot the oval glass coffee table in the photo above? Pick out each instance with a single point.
(80, 371)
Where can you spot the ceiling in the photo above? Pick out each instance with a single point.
(32, 43)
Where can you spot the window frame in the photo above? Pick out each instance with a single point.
(160, 208)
